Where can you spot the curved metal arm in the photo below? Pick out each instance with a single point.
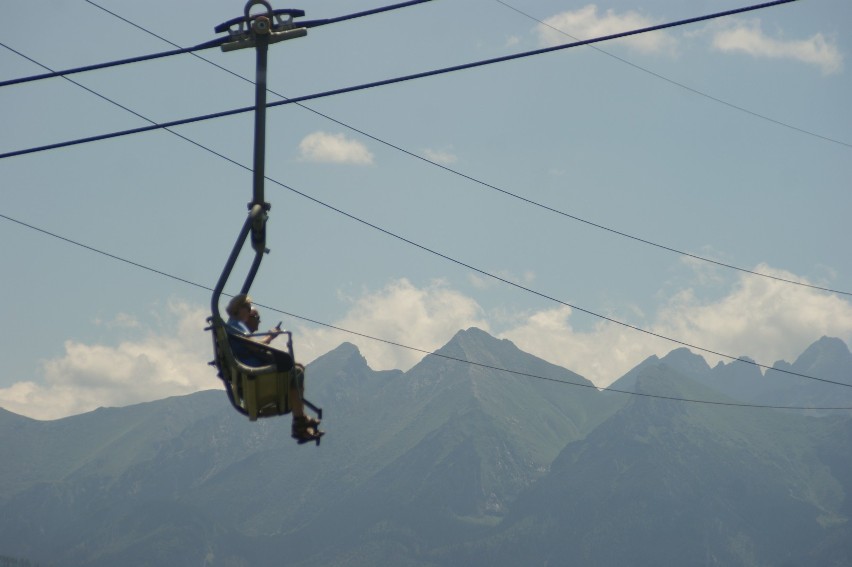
(257, 214)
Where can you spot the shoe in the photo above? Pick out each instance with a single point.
(313, 422)
(306, 429)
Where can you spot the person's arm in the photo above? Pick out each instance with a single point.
(272, 334)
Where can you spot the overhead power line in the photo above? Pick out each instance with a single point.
(74, 70)
(372, 12)
(206, 45)
(400, 79)
(420, 350)
(111, 101)
(678, 84)
(483, 183)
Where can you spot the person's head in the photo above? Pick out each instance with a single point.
(253, 321)
(239, 307)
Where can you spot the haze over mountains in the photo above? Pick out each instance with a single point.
(452, 464)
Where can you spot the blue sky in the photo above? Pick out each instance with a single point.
(640, 136)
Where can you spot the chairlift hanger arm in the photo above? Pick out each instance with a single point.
(261, 390)
(255, 212)
(257, 31)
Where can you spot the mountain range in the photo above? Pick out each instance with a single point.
(481, 454)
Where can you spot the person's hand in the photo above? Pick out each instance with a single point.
(274, 332)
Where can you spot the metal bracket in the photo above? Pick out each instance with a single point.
(275, 25)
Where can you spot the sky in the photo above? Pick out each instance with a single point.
(538, 199)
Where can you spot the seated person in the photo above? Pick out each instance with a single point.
(243, 321)
(240, 323)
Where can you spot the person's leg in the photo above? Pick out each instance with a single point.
(305, 428)
(296, 405)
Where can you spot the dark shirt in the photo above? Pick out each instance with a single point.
(237, 328)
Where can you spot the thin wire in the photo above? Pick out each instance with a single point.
(681, 85)
(489, 185)
(206, 45)
(107, 254)
(415, 349)
(401, 79)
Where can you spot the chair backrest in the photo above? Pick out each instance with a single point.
(256, 390)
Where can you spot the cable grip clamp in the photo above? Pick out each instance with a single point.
(277, 25)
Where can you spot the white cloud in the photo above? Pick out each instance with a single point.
(748, 37)
(443, 157)
(334, 148)
(480, 282)
(173, 362)
(120, 321)
(765, 319)
(585, 23)
(601, 355)
(484, 282)
(424, 318)
(705, 273)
